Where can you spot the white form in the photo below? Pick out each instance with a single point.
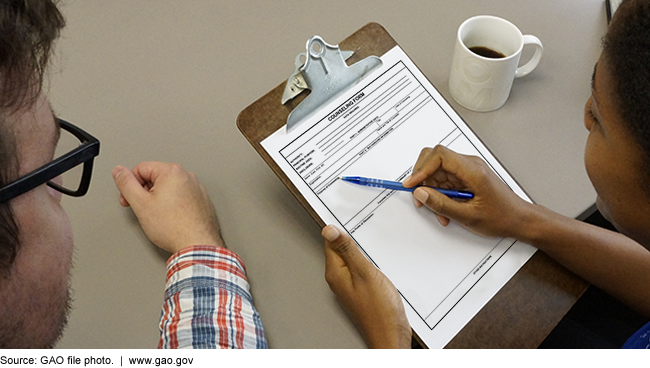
(377, 129)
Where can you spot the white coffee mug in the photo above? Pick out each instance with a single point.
(482, 83)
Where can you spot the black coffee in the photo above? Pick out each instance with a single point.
(486, 52)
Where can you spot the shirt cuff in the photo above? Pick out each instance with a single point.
(198, 265)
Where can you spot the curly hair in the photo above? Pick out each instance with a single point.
(626, 47)
(28, 29)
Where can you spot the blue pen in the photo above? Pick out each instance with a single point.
(396, 185)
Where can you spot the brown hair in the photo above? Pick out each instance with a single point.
(28, 29)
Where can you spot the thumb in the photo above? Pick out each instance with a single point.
(131, 191)
(345, 248)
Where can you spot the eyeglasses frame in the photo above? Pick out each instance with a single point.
(84, 154)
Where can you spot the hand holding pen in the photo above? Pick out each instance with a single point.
(495, 210)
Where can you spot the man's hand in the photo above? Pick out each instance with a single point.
(495, 210)
(368, 297)
(172, 206)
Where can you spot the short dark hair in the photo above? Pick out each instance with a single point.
(626, 47)
(28, 29)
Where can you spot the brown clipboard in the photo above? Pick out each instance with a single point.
(523, 312)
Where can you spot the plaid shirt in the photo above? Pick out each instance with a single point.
(208, 303)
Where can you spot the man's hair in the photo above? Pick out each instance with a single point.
(28, 29)
(626, 47)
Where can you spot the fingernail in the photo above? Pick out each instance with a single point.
(439, 220)
(421, 195)
(117, 171)
(330, 233)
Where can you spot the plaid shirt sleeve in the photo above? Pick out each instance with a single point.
(208, 303)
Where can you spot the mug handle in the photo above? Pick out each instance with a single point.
(532, 64)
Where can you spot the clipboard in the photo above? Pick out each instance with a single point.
(266, 115)
(523, 312)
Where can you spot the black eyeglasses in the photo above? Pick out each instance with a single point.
(84, 149)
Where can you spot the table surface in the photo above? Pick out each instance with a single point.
(165, 80)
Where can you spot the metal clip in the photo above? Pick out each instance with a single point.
(296, 82)
(326, 74)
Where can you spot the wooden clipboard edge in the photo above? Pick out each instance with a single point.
(266, 115)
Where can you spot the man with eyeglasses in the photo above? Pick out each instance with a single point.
(207, 301)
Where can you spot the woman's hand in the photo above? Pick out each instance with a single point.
(495, 209)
